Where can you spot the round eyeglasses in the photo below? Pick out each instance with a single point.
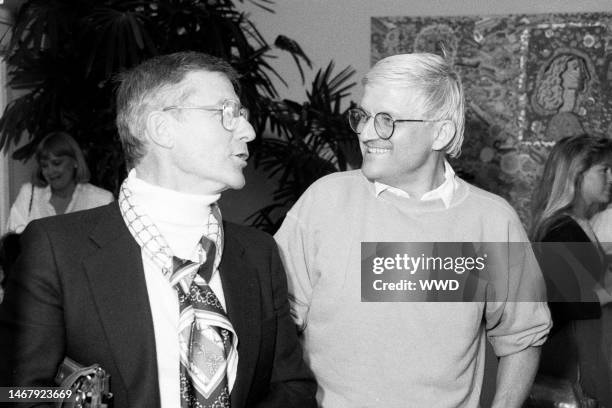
(231, 112)
(384, 124)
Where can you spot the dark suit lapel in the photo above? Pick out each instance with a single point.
(118, 286)
(242, 297)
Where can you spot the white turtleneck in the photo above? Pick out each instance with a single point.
(181, 219)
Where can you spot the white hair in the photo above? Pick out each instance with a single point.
(437, 82)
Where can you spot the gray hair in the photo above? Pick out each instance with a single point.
(151, 86)
(439, 86)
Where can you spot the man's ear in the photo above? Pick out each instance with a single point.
(444, 135)
(159, 129)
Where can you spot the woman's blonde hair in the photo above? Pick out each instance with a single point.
(559, 185)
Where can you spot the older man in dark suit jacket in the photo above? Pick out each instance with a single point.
(181, 308)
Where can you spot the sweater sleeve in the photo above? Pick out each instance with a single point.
(518, 316)
(296, 253)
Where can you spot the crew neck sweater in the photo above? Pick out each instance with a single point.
(400, 354)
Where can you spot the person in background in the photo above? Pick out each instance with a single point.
(408, 354)
(60, 184)
(576, 182)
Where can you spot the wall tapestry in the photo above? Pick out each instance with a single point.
(529, 81)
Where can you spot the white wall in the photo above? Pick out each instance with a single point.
(5, 179)
(340, 29)
(4, 160)
(12, 173)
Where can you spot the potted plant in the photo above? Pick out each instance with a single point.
(65, 54)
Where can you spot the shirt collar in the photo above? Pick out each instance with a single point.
(444, 191)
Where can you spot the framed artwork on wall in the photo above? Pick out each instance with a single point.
(529, 80)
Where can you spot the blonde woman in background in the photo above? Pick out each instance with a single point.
(60, 184)
(576, 182)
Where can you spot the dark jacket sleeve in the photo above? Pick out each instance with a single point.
(292, 383)
(564, 254)
(31, 316)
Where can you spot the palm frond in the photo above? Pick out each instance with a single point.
(293, 48)
(311, 140)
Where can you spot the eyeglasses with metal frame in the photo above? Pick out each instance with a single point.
(384, 124)
(231, 112)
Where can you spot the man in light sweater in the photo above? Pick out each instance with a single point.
(408, 354)
(181, 308)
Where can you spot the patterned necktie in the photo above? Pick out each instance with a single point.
(208, 342)
(205, 334)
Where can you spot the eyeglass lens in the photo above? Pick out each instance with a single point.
(383, 122)
(357, 120)
(232, 111)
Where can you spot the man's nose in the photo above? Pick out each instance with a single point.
(244, 131)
